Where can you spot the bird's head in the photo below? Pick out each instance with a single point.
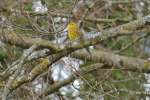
(73, 25)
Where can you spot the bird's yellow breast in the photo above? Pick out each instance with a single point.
(72, 33)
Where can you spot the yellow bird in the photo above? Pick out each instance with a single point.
(75, 32)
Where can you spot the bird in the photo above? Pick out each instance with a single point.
(75, 32)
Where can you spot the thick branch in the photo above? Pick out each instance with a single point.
(121, 62)
(111, 33)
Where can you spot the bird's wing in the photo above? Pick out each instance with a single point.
(79, 32)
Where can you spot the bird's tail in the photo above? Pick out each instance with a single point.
(89, 53)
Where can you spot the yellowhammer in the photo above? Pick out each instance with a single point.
(75, 32)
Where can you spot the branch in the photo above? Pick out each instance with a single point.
(123, 90)
(98, 38)
(58, 85)
(39, 69)
(19, 41)
(19, 67)
(67, 15)
(33, 56)
(121, 62)
(133, 42)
